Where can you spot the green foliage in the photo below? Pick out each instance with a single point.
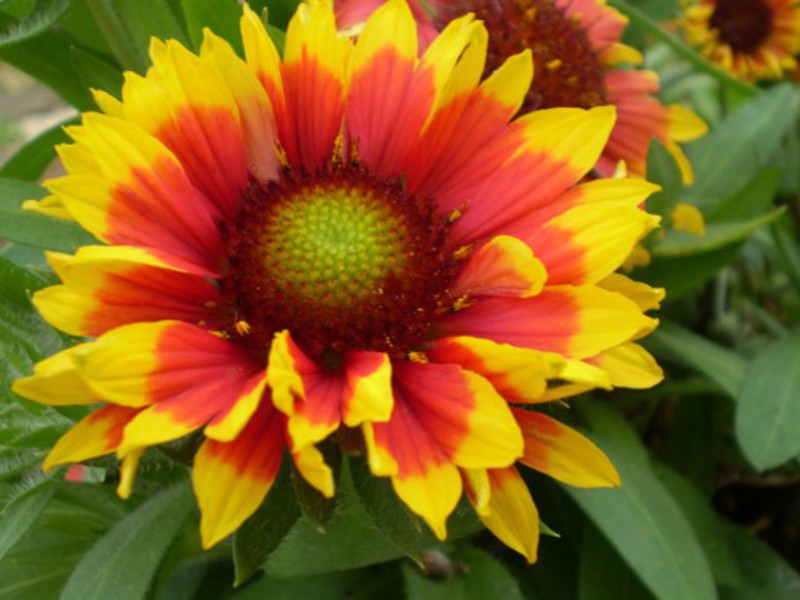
(728, 410)
(768, 407)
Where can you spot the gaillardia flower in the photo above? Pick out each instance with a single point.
(577, 55)
(753, 39)
(350, 236)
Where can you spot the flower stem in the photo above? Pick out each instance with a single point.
(639, 19)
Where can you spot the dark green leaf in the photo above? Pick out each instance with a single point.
(753, 200)
(683, 274)
(20, 515)
(663, 170)
(705, 523)
(34, 157)
(477, 576)
(640, 519)
(40, 17)
(96, 72)
(33, 229)
(40, 562)
(221, 16)
(676, 344)
(739, 147)
(333, 586)
(768, 410)
(717, 236)
(46, 57)
(603, 574)
(766, 575)
(403, 528)
(350, 540)
(122, 563)
(128, 28)
(17, 8)
(263, 532)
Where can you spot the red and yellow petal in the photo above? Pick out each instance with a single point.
(563, 453)
(426, 481)
(504, 266)
(315, 62)
(185, 102)
(259, 129)
(461, 411)
(546, 152)
(55, 381)
(139, 194)
(368, 390)
(231, 479)
(589, 242)
(108, 286)
(464, 142)
(388, 99)
(96, 434)
(574, 321)
(510, 514)
(316, 400)
(187, 375)
(518, 374)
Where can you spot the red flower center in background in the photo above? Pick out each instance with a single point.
(567, 69)
(742, 24)
(344, 260)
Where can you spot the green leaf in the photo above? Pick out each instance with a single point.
(679, 345)
(706, 525)
(46, 58)
(350, 540)
(19, 516)
(717, 236)
(96, 72)
(663, 170)
(354, 538)
(766, 575)
(221, 16)
(640, 519)
(263, 532)
(32, 229)
(40, 17)
(40, 562)
(683, 274)
(739, 147)
(768, 410)
(478, 576)
(603, 574)
(122, 563)
(128, 28)
(753, 200)
(17, 8)
(34, 157)
(333, 586)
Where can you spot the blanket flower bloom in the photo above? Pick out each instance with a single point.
(577, 55)
(753, 39)
(351, 236)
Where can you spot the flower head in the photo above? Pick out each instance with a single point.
(754, 39)
(347, 236)
(577, 55)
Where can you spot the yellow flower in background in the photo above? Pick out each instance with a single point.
(352, 235)
(753, 39)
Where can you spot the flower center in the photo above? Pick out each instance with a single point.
(568, 70)
(343, 260)
(742, 24)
